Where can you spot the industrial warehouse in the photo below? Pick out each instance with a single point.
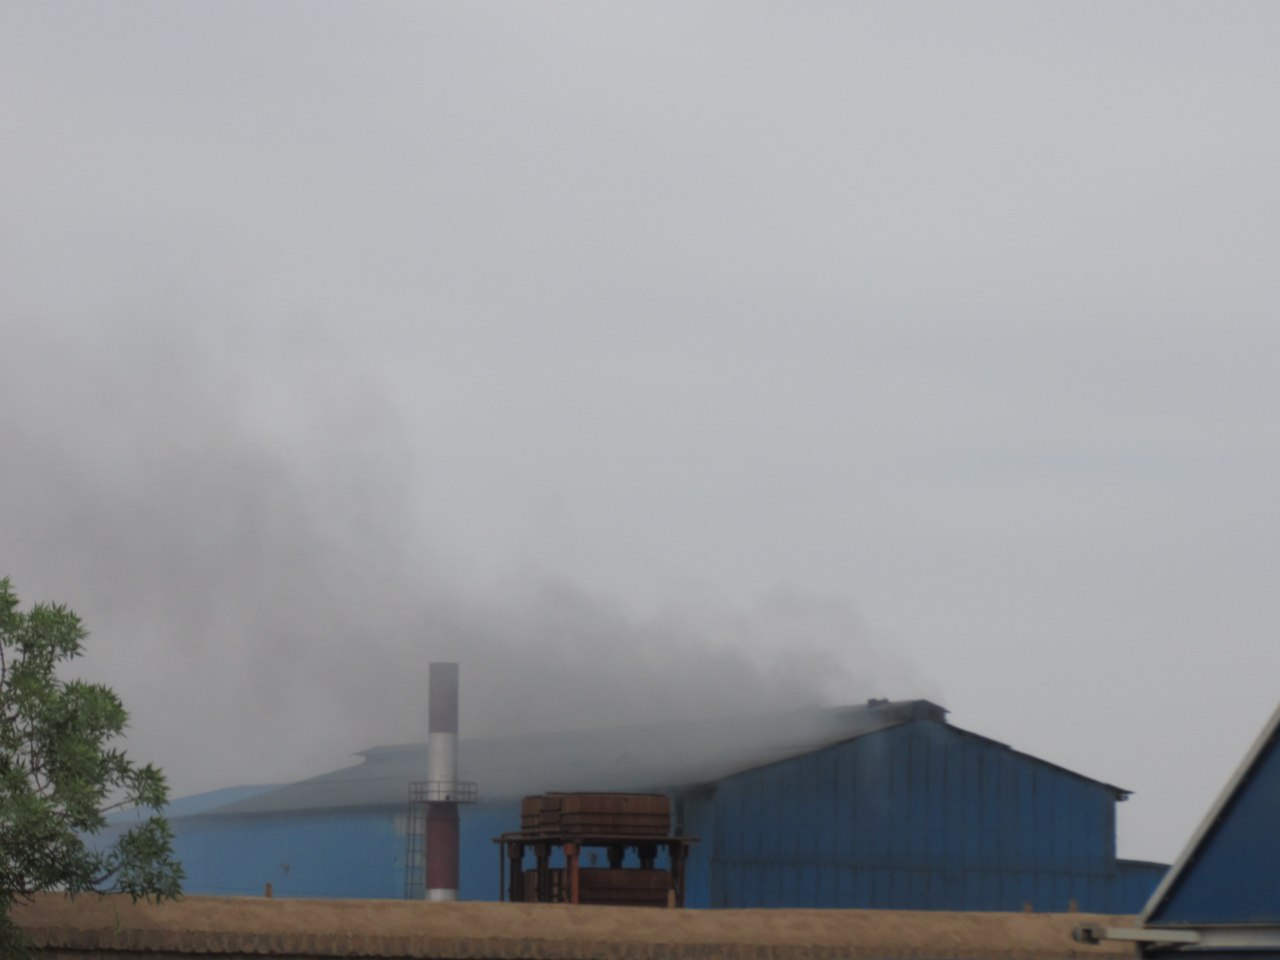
(881, 805)
(1218, 902)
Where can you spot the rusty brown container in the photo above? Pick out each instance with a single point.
(540, 813)
(615, 814)
(530, 813)
(624, 888)
(549, 813)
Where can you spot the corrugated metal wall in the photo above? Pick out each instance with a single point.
(341, 853)
(1136, 880)
(335, 854)
(918, 816)
(1235, 875)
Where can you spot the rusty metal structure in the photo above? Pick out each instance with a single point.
(565, 834)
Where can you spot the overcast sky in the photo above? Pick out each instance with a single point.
(650, 359)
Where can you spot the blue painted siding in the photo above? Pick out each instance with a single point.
(341, 853)
(1235, 874)
(477, 827)
(332, 854)
(696, 816)
(918, 816)
(1136, 880)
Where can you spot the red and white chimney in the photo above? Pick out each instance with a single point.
(443, 788)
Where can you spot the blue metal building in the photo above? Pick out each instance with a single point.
(1221, 898)
(884, 805)
(1229, 874)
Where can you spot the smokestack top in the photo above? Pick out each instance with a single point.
(442, 697)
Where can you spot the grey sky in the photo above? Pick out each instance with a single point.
(650, 358)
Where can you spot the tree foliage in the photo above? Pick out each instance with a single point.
(61, 773)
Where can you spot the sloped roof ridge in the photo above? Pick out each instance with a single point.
(1183, 869)
(856, 709)
(662, 756)
(1120, 792)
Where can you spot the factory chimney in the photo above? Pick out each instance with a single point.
(443, 789)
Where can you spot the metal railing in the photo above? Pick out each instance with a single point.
(443, 791)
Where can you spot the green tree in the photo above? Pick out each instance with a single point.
(61, 773)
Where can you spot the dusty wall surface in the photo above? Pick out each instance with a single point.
(112, 928)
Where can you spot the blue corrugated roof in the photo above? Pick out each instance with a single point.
(1229, 872)
(658, 756)
(1120, 792)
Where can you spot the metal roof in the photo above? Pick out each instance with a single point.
(663, 756)
(1120, 792)
(1229, 872)
(658, 756)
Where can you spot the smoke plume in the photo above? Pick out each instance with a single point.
(247, 546)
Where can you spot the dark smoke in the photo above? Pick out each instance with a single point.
(245, 542)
